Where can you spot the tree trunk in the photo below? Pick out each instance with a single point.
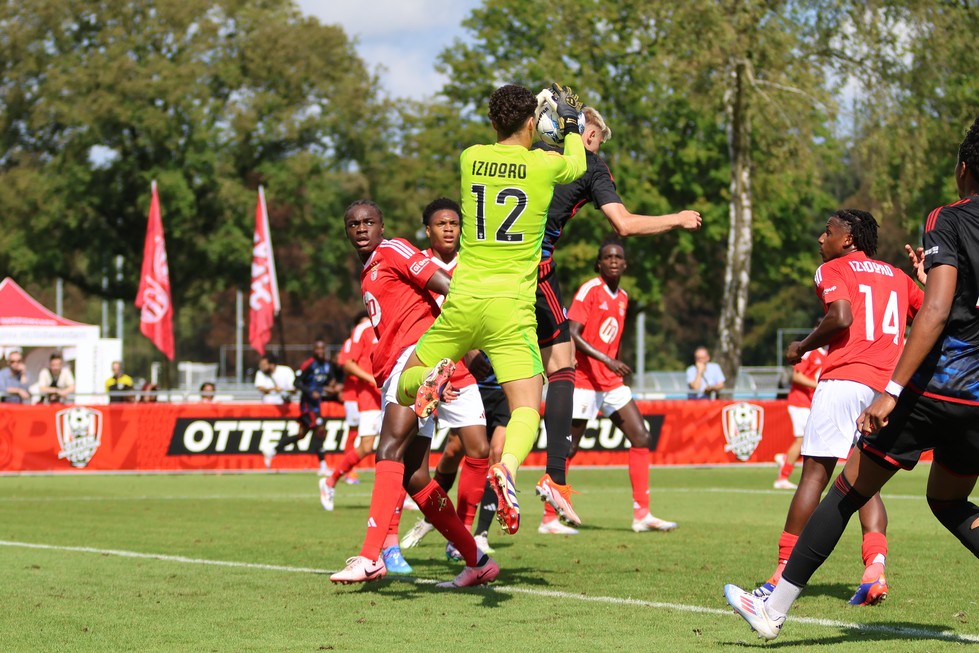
(737, 269)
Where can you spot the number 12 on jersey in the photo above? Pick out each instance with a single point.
(890, 324)
(503, 233)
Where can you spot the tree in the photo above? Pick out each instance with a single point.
(210, 99)
(684, 87)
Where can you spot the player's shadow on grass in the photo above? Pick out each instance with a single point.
(881, 631)
(408, 588)
(840, 591)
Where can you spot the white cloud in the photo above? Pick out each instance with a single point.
(404, 37)
(379, 17)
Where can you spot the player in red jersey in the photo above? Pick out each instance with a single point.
(931, 402)
(467, 445)
(867, 305)
(397, 281)
(355, 357)
(597, 321)
(805, 374)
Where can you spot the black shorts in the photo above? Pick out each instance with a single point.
(552, 324)
(496, 408)
(918, 424)
(309, 415)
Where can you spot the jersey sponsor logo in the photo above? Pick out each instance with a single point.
(608, 330)
(495, 169)
(373, 308)
(871, 266)
(208, 436)
(931, 251)
(79, 432)
(828, 290)
(743, 423)
(418, 266)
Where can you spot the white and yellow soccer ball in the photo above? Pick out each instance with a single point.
(546, 119)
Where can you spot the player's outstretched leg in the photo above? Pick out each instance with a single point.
(753, 610)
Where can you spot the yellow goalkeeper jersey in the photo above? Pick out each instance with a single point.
(506, 190)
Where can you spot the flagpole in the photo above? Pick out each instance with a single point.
(239, 336)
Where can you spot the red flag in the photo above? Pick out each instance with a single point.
(153, 296)
(263, 303)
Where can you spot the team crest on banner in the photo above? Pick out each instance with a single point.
(79, 434)
(743, 424)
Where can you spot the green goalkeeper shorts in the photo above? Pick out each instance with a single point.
(504, 328)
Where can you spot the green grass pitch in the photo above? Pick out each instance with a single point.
(239, 562)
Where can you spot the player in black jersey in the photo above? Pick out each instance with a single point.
(598, 187)
(931, 403)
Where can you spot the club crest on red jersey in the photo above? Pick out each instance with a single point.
(743, 423)
(79, 434)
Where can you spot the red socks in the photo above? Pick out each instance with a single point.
(639, 477)
(874, 544)
(437, 507)
(349, 461)
(396, 520)
(786, 470)
(387, 496)
(786, 542)
(472, 481)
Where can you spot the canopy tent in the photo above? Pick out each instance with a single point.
(24, 322)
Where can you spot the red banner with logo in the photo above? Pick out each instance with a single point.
(162, 437)
(263, 301)
(153, 296)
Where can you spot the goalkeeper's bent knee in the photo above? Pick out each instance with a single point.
(411, 379)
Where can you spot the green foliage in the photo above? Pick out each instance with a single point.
(210, 99)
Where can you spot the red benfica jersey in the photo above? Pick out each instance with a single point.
(812, 366)
(602, 313)
(401, 309)
(462, 377)
(358, 348)
(349, 392)
(882, 298)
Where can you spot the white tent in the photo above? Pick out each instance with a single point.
(24, 322)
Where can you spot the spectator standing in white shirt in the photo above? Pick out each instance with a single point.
(274, 381)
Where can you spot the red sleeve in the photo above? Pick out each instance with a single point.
(580, 306)
(915, 297)
(344, 355)
(830, 284)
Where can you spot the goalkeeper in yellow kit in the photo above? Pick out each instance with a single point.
(506, 189)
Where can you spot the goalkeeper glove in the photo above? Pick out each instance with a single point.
(568, 106)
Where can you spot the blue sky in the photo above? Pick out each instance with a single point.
(400, 39)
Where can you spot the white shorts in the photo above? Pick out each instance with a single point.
(389, 394)
(799, 417)
(370, 423)
(351, 414)
(832, 426)
(466, 410)
(587, 403)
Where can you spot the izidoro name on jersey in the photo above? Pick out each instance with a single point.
(494, 169)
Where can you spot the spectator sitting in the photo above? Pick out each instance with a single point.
(13, 380)
(119, 385)
(207, 392)
(704, 378)
(55, 382)
(148, 392)
(274, 381)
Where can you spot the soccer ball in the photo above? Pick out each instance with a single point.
(547, 120)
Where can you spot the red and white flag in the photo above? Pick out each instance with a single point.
(263, 303)
(153, 296)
